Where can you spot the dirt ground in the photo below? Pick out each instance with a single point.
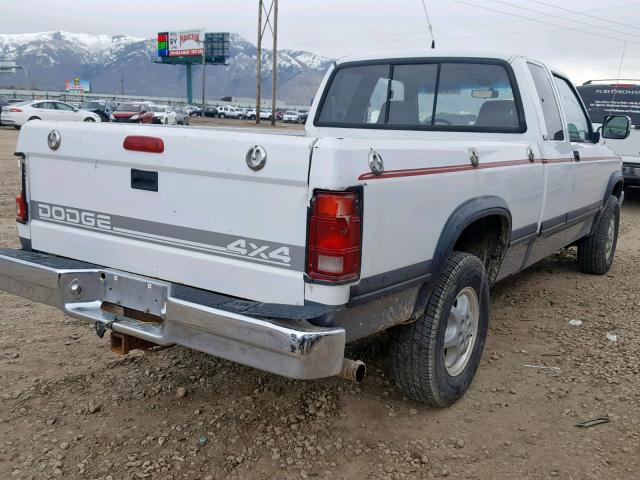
(71, 409)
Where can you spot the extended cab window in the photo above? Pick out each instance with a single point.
(550, 110)
(456, 96)
(577, 121)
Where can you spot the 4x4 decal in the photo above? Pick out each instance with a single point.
(213, 243)
(250, 249)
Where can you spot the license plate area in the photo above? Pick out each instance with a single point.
(117, 290)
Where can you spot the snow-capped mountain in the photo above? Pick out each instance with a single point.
(50, 58)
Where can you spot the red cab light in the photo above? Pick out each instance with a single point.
(335, 237)
(140, 143)
(22, 211)
(15, 110)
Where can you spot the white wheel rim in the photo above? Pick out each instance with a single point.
(611, 235)
(462, 331)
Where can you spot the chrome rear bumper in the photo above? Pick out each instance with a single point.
(292, 348)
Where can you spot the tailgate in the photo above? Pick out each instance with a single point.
(213, 223)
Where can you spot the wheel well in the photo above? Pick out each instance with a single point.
(617, 189)
(486, 238)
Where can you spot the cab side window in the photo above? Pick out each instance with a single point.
(577, 122)
(63, 106)
(550, 109)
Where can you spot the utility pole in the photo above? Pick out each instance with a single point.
(259, 62)
(204, 83)
(271, 21)
(189, 85)
(122, 85)
(274, 68)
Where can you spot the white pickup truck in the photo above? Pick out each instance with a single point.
(421, 180)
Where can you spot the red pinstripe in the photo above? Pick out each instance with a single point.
(414, 172)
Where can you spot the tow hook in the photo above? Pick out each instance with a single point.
(100, 328)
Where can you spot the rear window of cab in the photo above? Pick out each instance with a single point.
(445, 95)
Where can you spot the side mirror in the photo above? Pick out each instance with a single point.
(616, 127)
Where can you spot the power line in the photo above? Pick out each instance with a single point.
(565, 27)
(576, 12)
(547, 14)
(430, 27)
(615, 90)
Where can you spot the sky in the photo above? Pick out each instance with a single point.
(584, 38)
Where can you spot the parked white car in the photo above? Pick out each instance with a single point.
(18, 114)
(229, 111)
(264, 114)
(164, 115)
(275, 249)
(291, 116)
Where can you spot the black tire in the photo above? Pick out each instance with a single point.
(17, 127)
(417, 350)
(596, 251)
(88, 119)
(33, 118)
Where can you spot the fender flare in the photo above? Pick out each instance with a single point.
(615, 179)
(464, 215)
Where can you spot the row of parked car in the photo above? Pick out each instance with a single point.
(230, 111)
(18, 113)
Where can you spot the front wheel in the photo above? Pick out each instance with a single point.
(88, 119)
(435, 358)
(596, 252)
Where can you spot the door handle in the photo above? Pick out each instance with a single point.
(576, 155)
(144, 180)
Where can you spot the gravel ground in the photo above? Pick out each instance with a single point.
(71, 409)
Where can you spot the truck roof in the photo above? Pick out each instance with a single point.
(434, 53)
(424, 53)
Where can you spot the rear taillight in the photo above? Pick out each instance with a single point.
(139, 143)
(15, 110)
(22, 207)
(22, 212)
(335, 237)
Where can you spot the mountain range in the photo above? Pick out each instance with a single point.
(50, 58)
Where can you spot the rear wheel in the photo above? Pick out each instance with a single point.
(89, 119)
(34, 118)
(596, 252)
(435, 358)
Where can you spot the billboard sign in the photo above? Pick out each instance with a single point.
(217, 48)
(8, 67)
(187, 43)
(77, 86)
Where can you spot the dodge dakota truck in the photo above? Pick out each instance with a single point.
(421, 179)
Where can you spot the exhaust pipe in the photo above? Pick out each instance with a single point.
(353, 370)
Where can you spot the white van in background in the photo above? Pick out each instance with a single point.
(617, 97)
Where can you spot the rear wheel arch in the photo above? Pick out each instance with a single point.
(466, 231)
(469, 227)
